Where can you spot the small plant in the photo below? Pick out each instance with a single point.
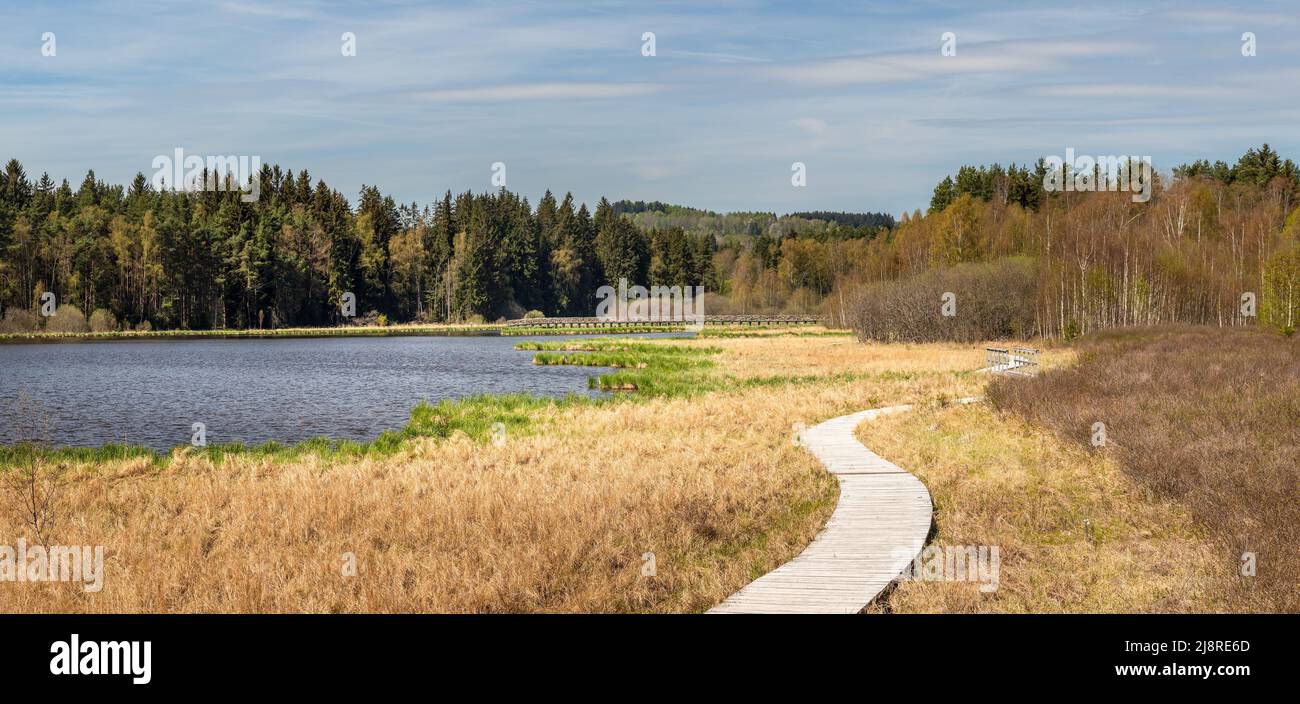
(32, 489)
(1071, 331)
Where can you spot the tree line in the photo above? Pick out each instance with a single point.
(206, 259)
(138, 256)
(1216, 245)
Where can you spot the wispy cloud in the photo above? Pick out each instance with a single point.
(541, 91)
(990, 58)
(278, 10)
(561, 92)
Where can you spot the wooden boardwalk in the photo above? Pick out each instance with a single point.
(877, 528)
(593, 322)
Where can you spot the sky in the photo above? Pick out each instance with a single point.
(563, 95)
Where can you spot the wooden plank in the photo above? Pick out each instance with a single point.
(879, 524)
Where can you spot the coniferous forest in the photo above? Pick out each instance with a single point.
(135, 257)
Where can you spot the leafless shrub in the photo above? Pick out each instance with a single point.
(992, 300)
(33, 487)
(102, 321)
(18, 320)
(67, 318)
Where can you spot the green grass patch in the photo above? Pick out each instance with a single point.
(649, 368)
(475, 416)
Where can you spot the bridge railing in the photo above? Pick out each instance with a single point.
(593, 322)
(1022, 361)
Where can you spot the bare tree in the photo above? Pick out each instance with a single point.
(34, 487)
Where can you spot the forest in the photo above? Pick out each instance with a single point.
(1216, 245)
(136, 257)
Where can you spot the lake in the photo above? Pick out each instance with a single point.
(150, 392)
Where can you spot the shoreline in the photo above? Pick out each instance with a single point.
(485, 330)
(467, 408)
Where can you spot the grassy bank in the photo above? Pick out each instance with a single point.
(653, 369)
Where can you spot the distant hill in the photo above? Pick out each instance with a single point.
(818, 224)
(850, 219)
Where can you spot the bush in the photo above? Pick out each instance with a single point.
(993, 300)
(67, 318)
(368, 319)
(144, 326)
(534, 314)
(102, 321)
(476, 319)
(18, 320)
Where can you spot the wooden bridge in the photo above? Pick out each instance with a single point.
(594, 322)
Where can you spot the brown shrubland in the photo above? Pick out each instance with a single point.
(1206, 417)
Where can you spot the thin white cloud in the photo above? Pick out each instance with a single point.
(1139, 90)
(279, 10)
(541, 91)
(718, 57)
(999, 57)
(1231, 19)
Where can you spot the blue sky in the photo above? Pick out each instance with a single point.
(561, 94)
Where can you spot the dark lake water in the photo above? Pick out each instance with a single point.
(150, 392)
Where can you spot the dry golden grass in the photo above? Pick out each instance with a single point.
(750, 358)
(559, 517)
(1074, 532)
(712, 485)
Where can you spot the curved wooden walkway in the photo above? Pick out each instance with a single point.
(877, 528)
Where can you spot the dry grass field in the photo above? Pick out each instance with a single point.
(556, 519)
(1074, 533)
(564, 514)
(1199, 467)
